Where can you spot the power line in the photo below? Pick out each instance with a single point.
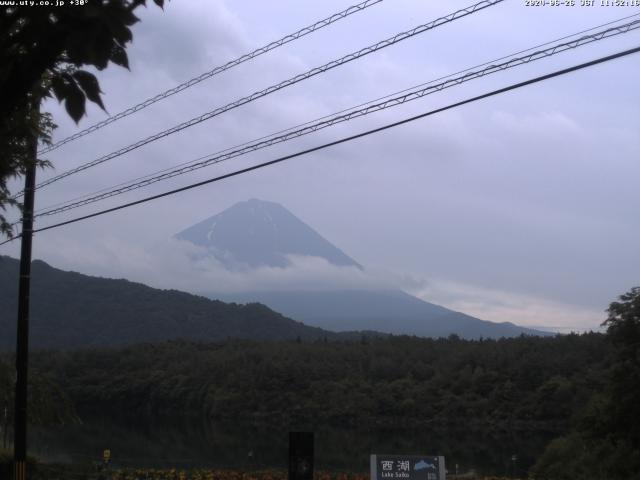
(11, 239)
(348, 139)
(310, 128)
(298, 78)
(289, 129)
(233, 63)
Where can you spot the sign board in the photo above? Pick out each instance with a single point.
(407, 467)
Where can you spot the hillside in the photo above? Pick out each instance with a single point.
(70, 310)
(388, 311)
(257, 233)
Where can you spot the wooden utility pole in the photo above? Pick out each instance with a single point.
(5, 426)
(22, 344)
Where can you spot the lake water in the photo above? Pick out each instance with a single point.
(247, 448)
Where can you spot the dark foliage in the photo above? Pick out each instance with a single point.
(42, 53)
(48, 404)
(604, 441)
(16, 150)
(71, 310)
(623, 329)
(469, 394)
(522, 384)
(51, 44)
(475, 396)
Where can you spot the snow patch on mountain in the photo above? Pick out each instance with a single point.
(257, 233)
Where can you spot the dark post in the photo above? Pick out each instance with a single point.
(300, 455)
(5, 426)
(22, 346)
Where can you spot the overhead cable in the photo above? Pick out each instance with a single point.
(295, 127)
(406, 96)
(233, 63)
(346, 139)
(298, 78)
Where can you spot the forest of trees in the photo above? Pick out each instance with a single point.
(521, 387)
(523, 383)
(604, 438)
(582, 390)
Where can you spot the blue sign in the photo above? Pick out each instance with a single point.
(407, 467)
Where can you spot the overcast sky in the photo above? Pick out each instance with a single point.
(522, 207)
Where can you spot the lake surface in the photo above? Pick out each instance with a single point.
(246, 448)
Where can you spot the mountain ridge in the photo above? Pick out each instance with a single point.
(72, 310)
(256, 233)
(387, 311)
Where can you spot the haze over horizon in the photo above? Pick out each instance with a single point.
(520, 208)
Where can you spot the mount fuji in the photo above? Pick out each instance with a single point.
(256, 233)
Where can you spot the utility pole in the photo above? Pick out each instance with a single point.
(22, 344)
(5, 426)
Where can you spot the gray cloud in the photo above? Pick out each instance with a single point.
(182, 265)
(532, 194)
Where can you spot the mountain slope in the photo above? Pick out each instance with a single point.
(256, 233)
(390, 311)
(71, 310)
(259, 233)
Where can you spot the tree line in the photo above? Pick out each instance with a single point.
(582, 389)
